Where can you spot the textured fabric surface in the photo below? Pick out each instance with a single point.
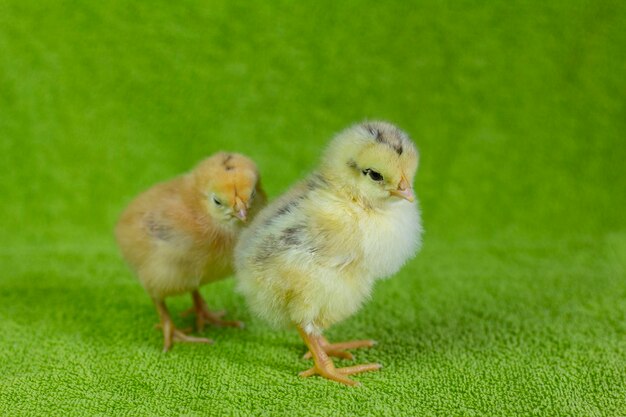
(516, 304)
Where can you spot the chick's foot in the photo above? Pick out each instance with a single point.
(170, 333)
(329, 371)
(325, 367)
(338, 350)
(204, 315)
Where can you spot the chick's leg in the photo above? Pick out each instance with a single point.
(325, 367)
(338, 350)
(170, 333)
(204, 315)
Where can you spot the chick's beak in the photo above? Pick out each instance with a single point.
(404, 190)
(241, 212)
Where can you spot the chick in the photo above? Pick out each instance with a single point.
(180, 234)
(310, 258)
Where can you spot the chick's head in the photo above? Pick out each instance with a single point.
(374, 161)
(227, 184)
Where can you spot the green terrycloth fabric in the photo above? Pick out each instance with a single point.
(516, 305)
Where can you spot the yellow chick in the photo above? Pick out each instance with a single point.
(180, 234)
(310, 258)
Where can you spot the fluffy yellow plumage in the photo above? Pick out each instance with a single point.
(310, 258)
(180, 234)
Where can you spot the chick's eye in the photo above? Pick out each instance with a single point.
(216, 201)
(374, 175)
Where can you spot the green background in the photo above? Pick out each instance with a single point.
(516, 304)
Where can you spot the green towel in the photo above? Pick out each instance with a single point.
(516, 306)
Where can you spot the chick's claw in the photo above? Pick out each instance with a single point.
(171, 334)
(204, 315)
(338, 350)
(175, 335)
(180, 336)
(329, 371)
(348, 370)
(332, 375)
(324, 366)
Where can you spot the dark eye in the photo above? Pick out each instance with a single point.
(216, 201)
(373, 174)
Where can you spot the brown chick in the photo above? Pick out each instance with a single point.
(180, 234)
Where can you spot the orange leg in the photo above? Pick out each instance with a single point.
(204, 315)
(325, 367)
(170, 333)
(338, 350)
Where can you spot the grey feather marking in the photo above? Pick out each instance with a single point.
(268, 247)
(226, 161)
(380, 137)
(316, 181)
(286, 208)
(158, 230)
(292, 236)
